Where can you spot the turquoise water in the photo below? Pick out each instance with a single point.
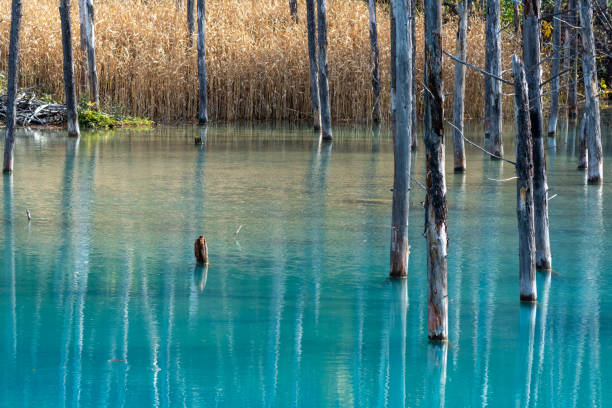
(101, 303)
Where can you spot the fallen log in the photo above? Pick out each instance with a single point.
(33, 111)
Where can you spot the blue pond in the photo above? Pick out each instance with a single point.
(101, 303)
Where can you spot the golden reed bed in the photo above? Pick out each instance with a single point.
(256, 56)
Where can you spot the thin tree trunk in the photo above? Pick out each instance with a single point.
(92, 71)
(572, 93)
(582, 143)
(556, 65)
(190, 19)
(435, 201)
(517, 19)
(312, 56)
(83, 46)
(493, 88)
(69, 88)
(459, 91)
(402, 123)
(293, 10)
(202, 80)
(415, 142)
(591, 88)
(524, 186)
(326, 130)
(11, 88)
(531, 56)
(374, 61)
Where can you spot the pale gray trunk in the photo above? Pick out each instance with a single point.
(493, 87)
(326, 130)
(459, 91)
(401, 127)
(582, 144)
(556, 65)
(524, 186)
(374, 61)
(202, 80)
(414, 77)
(92, 71)
(83, 46)
(11, 87)
(572, 92)
(293, 10)
(190, 19)
(312, 56)
(69, 88)
(531, 56)
(591, 93)
(435, 201)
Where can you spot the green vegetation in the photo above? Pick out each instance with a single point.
(92, 118)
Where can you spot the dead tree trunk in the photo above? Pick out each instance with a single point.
(326, 130)
(11, 87)
(572, 93)
(202, 80)
(312, 56)
(92, 70)
(435, 201)
(531, 56)
(556, 66)
(69, 88)
(402, 123)
(493, 87)
(524, 186)
(459, 91)
(517, 19)
(591, 88)
(293, 10)
(190, 19)
(415, 142)
(582, 144)
(83, 46)
(374, 61)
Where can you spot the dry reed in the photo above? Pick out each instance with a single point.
(256, 56)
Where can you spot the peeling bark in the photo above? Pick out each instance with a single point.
(459, 90)
(531, 56)
(374, 57)
(435, 201)
(556, 66)
(202, 78)
(326, 130)
(402, 123)
(524, 186)
(591, 92)
(13, 76)
(493, 87)
(69, 88)
(312, 56)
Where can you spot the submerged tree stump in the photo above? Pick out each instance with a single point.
(200, 250)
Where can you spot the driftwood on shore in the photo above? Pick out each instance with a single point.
(33, 111)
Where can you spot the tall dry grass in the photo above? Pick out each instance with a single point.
(256, 56)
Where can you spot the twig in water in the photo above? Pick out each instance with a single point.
(553, 196)
(418, 183)
(28, 215)
(479, 147)
(233, 238)
(508, 179)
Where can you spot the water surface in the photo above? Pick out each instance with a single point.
(101, 303)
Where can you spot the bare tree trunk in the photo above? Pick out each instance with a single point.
(572, 93)
(582, 144)
(69, 88)
(531, 56)
(92, 71)
(591, 92)
(517, 19)
(459, 91)
(493, 87)
(402, 123)
(312, 56)
(374, 60)
(415, 142)
(190, 19)
(293, 10)
(11, 88)
(83, 46)
(326, 130)
(556, 65)
(202, 80)
(435, 201)
(524, 186)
